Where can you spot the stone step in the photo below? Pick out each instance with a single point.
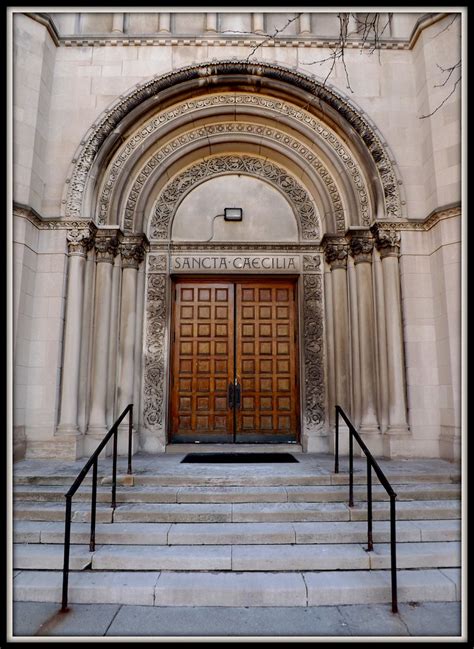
(239, 589)
(238, 512)
(274, 557)
(38, 556)
(236, 533)
(235, 478)
(33, 511)
(141, 494)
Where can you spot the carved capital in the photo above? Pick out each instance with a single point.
(336, 252)
(387, 240)
(79, 241)
(361, 247)
(106, 247)
(132, 250)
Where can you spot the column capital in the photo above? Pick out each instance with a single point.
(107, 244)
(387, 240)
(132, 250)
(80, 240)
(336, 250)
(361, 245)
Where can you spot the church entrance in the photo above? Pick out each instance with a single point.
(234, 366)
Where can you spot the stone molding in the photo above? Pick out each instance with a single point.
(111, 117)
(178, 187)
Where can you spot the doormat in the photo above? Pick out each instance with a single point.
(238, 458)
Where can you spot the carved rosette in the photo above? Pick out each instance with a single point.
(132, 251)
(79, 241)
(361, 247)
(313, 351)
(387, 240)
(157, 263)
(336, 253)
(155, 348)
(106, 248)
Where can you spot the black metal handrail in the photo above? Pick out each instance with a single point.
(371, 463)
(92, 462)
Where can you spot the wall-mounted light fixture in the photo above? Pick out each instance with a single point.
(232, 213)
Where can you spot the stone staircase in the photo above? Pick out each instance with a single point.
(238, 535)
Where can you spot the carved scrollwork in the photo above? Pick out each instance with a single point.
(178, 187)
(106, 248)
(157, 263)
(313, 352)
(361, 248)
(154, 366)
(79, 241)
(336, 253)
(110, 119)
(311, 262)
(387, 240)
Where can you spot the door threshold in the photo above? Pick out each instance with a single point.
(228, 448)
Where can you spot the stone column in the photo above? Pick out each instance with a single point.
(336, 250)
(258, 24)
(329, 317)
(79, 241)
(305, 24)
(354, 343)
(132, 252)
(211, 22)
(361, 245)
(106, 249)
(117, 23)
(388, 242)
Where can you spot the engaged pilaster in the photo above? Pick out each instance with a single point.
(106, 245)
(387, 241)
(361, 247)
(132, 251)
(79, 241)
(336, 251)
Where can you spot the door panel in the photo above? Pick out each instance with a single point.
(266, 362)
(203, 363)
(234, 362)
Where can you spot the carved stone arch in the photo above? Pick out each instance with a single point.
(305, 89)
(178, 187)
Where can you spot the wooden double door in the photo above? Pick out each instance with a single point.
(234, 371)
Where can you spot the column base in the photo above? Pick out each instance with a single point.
(93, 438)
(64, 430)
(61, 447)
(450, 446)
(397, 443)
(122, 442)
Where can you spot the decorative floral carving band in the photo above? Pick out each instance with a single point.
(265, 71)
(313, 352)
(173, 193)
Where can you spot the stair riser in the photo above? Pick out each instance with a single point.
(239, 589)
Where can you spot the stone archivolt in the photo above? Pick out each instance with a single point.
(326, 138)
(204, 133)
(177, 188)
(296, 82)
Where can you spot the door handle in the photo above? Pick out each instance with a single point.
(230, 395)
(237, 395)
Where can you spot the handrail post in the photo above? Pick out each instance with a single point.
(336, 449)
(67, 542)
(130, 425)
(351, 470)
(93, 506)
(370, 544)
(393, 554)
(114, 470)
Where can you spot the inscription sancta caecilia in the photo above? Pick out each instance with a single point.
(235, 263)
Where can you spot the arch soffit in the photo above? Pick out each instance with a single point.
(319, 148)
(105, 132)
